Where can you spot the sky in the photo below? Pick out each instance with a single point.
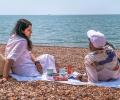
(59, 7)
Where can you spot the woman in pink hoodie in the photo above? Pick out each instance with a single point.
(102, 62)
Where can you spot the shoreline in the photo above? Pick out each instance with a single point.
(47, 45)
(43, 45)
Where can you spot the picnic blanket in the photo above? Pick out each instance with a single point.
(44, 77)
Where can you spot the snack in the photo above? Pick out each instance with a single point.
(69, 69)
(60, 78)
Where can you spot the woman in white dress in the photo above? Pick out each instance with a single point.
(18, 54)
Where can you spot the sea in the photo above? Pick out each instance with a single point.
(64, 30)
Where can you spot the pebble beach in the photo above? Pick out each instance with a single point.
(42, 90)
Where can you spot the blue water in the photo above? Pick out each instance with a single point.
(68, 31)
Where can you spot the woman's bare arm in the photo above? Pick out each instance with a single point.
(7, 66)
(32, 56)
(6, 69)
(37, 63)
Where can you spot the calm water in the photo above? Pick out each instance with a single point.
(69, 31)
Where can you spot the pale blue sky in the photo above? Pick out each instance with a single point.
(59, 7)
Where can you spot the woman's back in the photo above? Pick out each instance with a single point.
(105, 58)
(16, 49)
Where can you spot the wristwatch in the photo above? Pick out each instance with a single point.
(37, 62)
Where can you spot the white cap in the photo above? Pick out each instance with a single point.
(97, 39)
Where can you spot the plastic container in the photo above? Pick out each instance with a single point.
(50, 72)
(62, 71)
(69, 69)
(60, 78)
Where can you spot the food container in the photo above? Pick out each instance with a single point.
(60, 78)
(62, 71)
(69, 69)
(50, 72)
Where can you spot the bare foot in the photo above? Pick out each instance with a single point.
(82, 77)
(3, 80)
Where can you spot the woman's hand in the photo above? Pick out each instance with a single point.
(3, 80)
(94, 64)
(37, 63)
(6, 69)
(39, 67)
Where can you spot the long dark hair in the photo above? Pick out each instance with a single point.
(20, 26)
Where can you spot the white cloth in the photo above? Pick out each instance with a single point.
(113, 83)
(97, 39)
(48, 62)
(101, 72)
(16, 49)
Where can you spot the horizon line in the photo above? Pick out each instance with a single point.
(50, 14)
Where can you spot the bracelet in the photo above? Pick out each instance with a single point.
(37, 62)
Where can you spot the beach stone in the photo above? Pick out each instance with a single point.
(41, 90)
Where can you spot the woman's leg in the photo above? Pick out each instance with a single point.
(47, 61)
(2, 62)
(107, 74)
(91, 73)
